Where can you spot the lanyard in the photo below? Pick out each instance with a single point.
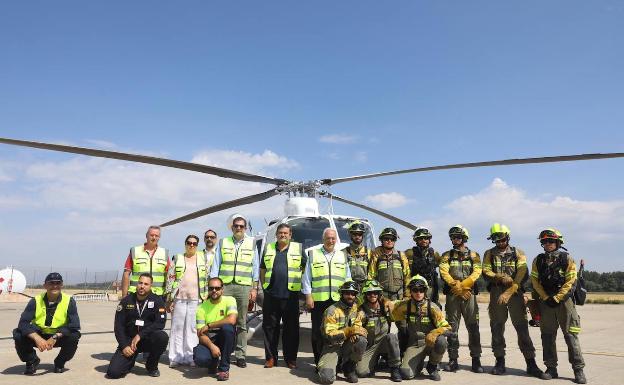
(142, 309)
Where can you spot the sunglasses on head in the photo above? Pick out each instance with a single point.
(214, 288)
(191, 243)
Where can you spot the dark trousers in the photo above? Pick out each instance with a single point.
(317, 321)
(286, 310)
(224, 339)
(154, 344)
(25, 347)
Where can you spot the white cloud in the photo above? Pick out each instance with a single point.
(244, 161)
(338, 139)
(361, 156)
(387, 200)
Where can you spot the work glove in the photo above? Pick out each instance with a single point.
(466, 293)
(359, 331)
(498, 278)
(456, 288)
(430, 339)
(552, 302)
(507, 281)
(349, 331)
(504, 298)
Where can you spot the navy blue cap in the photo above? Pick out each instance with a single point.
(53, 277)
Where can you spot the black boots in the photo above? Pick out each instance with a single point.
(552, 372)
(31, 367)
(348, 369)
(476, 365)
(499, 367)
(579, 376)
(452, 365)
(433, 371)
(533, 370)
(395, 374)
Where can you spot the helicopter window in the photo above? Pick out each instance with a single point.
(343, 224)
(308, 231)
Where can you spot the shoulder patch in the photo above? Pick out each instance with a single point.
(119, 307)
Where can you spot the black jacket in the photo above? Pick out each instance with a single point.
(153, 314)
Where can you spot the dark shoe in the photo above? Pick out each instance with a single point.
(533, 370)
(452, 365)
(395, 374)
(499, 367)
(476, 365)
(241, 363)
(552, 372)
(269, 363)
(291, 364)
(579, 376)
(153, 373)
(351, 377)
(59, 369)
(223, 376)
(433, 371)
(212, 369)
(31, 367)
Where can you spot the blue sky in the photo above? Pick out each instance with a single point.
(304, 91)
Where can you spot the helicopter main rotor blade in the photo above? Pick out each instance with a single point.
(506, 162)
(381, 213)
(225, 205)
(146, 159)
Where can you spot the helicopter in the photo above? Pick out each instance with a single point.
(301, 208)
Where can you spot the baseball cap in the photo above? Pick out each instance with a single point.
(53, 277)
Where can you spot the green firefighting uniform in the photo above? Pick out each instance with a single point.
(339, 319)
(358, 257)
(511, 262)
(463, 267)
(554, 275)
(380, 340)
(423, 318)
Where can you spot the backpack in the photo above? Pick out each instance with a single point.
(580, 291)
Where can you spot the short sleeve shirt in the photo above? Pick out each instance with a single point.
(209, 312)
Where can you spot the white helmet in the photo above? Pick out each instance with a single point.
(231, 218)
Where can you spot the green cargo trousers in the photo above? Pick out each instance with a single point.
(516, 309)
(414, 358)
(563, 316)
(241, 294)
(350, 353)
(455, 308)
(389, 344)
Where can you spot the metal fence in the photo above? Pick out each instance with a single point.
(73, 278)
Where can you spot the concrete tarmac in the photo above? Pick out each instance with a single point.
(601, 340)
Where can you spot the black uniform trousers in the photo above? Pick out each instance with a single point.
(154, 344)
(25, 347)
(286, 310)
(317, 322)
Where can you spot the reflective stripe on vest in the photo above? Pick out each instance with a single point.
(60, 314)
(327, 277)
(293, 258)
(180, 269)
(236, 265)
(156, 266)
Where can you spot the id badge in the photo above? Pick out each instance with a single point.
(150, 305)
(139, 322)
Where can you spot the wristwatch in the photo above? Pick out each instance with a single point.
(55, 336)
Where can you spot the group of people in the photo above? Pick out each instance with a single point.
(354, 296)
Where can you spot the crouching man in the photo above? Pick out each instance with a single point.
(49, 321)
(215, 328)
(425, 327)
(344, 336)
(376, 320)
(139, 323)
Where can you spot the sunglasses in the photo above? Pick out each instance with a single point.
(388, 240)
(191, 243)
(457, 237)
(353, 293)
(238, 226)
(372, 293)
(210, 237)
(419, 290)
(548, 241)
(214, 288)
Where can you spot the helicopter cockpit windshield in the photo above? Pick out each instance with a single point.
(308, 231)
